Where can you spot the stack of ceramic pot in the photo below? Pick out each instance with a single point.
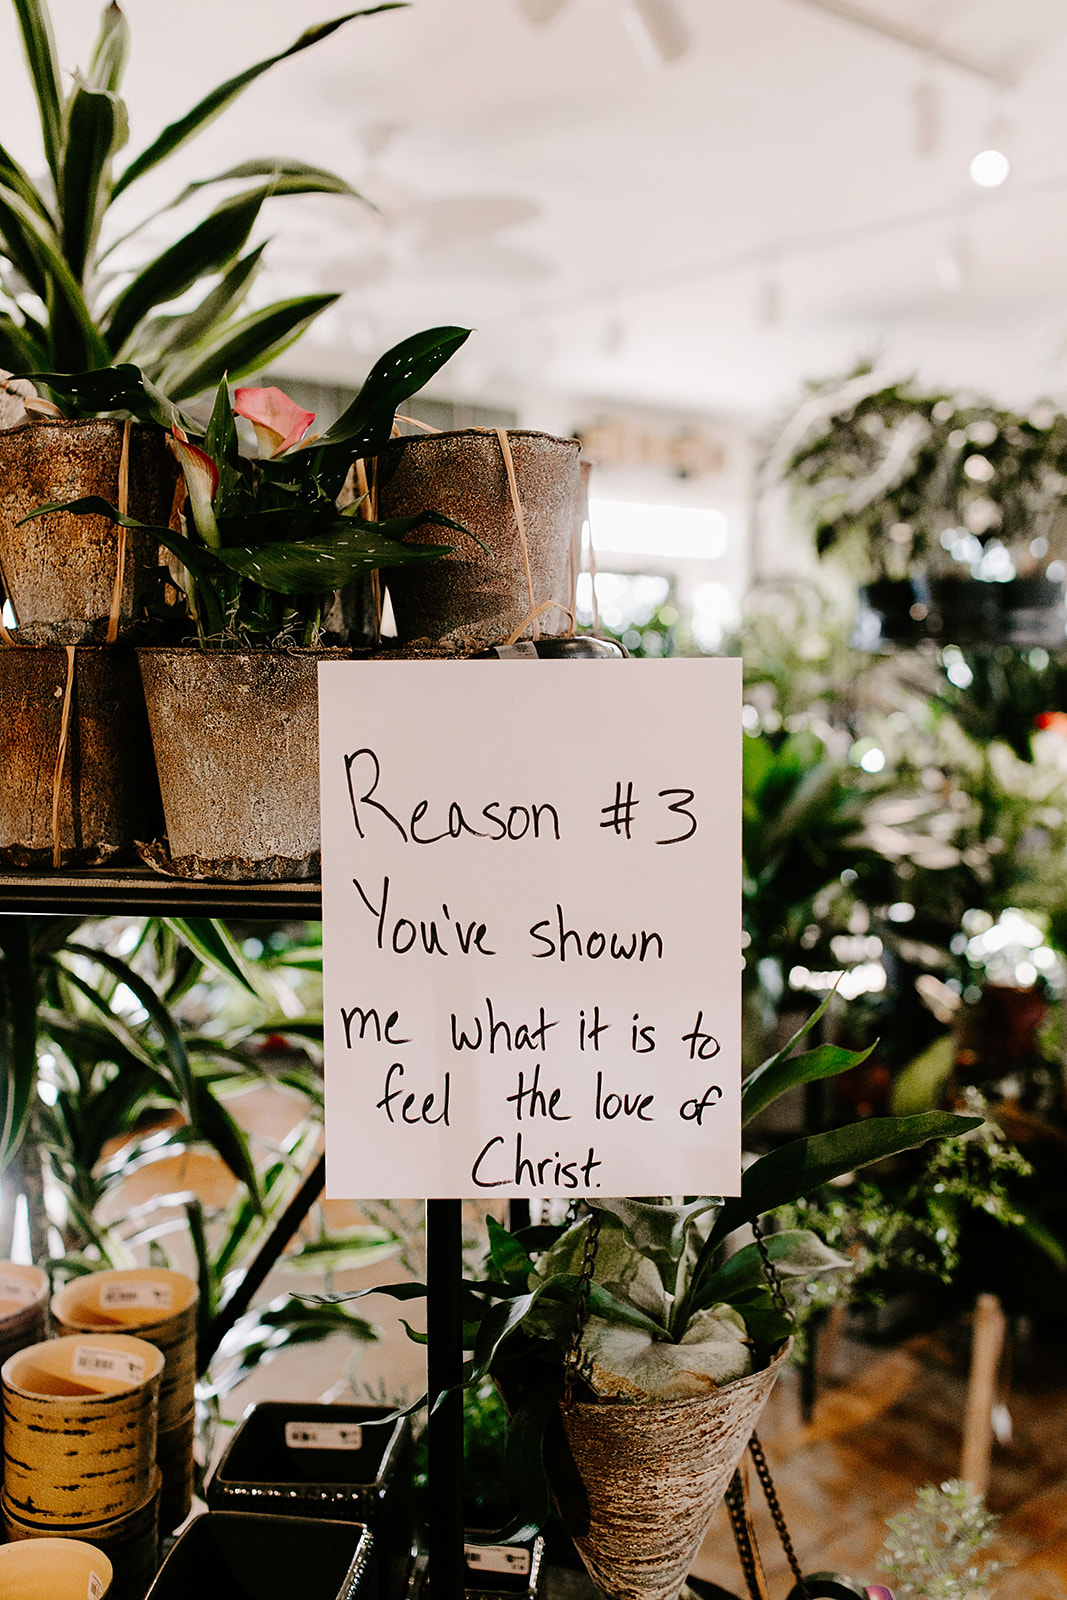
(23, 1307)
(159, 1306)
(80, 1449)
(79, 782)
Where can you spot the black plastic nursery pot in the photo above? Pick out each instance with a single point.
(492, 1571)
(225, 1555)
(1033, 613)
(332, 1462)
(893, 611)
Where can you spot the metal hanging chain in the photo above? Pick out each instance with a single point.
(572, 1360)
(763, 1471)
(734, 1500)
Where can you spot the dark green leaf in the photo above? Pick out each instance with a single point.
(168, 1030)
(289, 177)
(394, 378)
(18, 352)
(227, 1138)
(244, 346)
(318, 566)
(774, 1077)
(18, 1033)
(119, 388)
(35, 25)
(395, 1291)
(210, 247)
(796, 1169)
(65, 292)
(506, 1254)
(745, 1271)
(97, 128)
(207, 109)
(185, 332)
(196, 557)
(212, 942)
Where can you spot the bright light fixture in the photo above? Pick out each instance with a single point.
(990, 168)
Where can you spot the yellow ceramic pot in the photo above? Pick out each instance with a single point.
(61, 1569)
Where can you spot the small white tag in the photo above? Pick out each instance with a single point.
(96, 1586)
(324, 1435)
(498, 1558)
(135, 1296)
(93, 1362)
(17, 1289)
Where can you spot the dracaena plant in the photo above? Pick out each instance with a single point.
(68, 301)
(672, 1313)
(265, 543)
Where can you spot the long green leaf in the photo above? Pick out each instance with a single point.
(289, 177)
(111, 52)
(207, 109)
(18, 179)
(227, 1138)
(97, 128)
(210, 247)
(17, 351)
(213, 943)
(796, 1169)
(65, 291)
(116, 388)
(772, 1079)
(244, 346)
(167, 1028)
(198, 559)
(39, 45)
(318, 566)
(185, 332)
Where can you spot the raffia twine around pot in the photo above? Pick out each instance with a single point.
(638, 1484)
(516, 492)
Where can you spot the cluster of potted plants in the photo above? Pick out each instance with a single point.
(128, 520)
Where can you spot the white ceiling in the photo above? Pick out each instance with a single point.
(707, 235)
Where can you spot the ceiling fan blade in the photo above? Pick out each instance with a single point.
(542, 12)
(659, 29)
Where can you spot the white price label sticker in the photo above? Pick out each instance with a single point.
(17, 1289)
(96, 1586)
(498, 1558)
(324, 1435)
(136, 1297)
(93, 1361)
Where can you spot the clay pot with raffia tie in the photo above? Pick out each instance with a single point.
(475, 594)
(60, 570)
(637, 1484)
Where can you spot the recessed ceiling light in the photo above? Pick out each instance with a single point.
(990, 168)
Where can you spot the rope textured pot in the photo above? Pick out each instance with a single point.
(79, 780)
(237, 748)
(639, 1484)
(65, 574)
(516, 494)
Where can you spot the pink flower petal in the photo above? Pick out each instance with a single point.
(279, 422)
(201, 481)
(878, 1591)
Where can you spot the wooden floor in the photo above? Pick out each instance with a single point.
(887, 1422)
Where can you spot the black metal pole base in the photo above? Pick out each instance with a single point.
(444, 1371)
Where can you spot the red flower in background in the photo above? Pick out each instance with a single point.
(1054, 720)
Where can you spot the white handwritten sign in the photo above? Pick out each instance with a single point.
(531, 921)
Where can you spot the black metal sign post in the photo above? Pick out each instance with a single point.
(444, 1373)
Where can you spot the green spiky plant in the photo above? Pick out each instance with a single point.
(65, 306)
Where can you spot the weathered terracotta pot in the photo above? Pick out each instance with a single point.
(108, 792)
(130, 1542)
(61, 1569)
(236, 739)
(471, 593)
(80, 1429)
(638, 1484)
(59, 570)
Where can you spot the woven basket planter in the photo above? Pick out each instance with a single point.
(60, 571)
(472, 594)
(638, 1484)
(61, 1569)
(80, 1429)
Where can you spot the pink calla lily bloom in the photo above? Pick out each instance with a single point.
(201, 481)
(878, 1591)
(279, 422)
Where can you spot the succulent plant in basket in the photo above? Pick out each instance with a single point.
(635, 1351)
